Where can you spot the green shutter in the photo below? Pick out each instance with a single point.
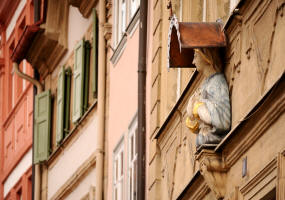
(60, 105)
(95, 55)
(68, 74)
(42, 126)
(78, 78)
(86, 78)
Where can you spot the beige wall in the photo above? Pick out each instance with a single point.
(253, 63)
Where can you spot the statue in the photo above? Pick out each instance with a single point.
(209, 110)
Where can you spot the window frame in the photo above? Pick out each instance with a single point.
(118, 178)
(132, 157)
(121, 25)
(233, 4)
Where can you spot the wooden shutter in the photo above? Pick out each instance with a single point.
(68, 74)
(42, 126)
(95, 55)
(60, 102)
(78, 78)
(86, 78)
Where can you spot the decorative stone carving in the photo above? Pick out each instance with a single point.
(214, 171)
(260, 38)
(176, 158)
(84, 6)
(107, 31)
(209, 110)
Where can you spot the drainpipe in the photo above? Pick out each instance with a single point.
(142, 98)
(27, 77)
(101, 102)
(38, 85)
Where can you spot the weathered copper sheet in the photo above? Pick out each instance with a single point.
(24, 43)
(185, 36)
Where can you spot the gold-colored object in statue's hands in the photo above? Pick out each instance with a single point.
(193, 125)
(195, 109)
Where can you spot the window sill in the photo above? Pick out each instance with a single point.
(70, 136)
(119, 50)
(129, 31)
(131, 27)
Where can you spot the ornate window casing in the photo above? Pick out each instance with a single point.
(118, 171)
(267, 184)
(132, 161)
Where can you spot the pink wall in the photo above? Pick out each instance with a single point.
(122, 102)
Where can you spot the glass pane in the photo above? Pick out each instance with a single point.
(122, 163)
(121, 190)
(135, 180)
(131, 184)
(136, 141)
(116, 170)
(132, 147)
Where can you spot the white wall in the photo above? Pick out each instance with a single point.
(77, 27)
(83, 188)
(12, 23)
(73, 157)
(18, 172)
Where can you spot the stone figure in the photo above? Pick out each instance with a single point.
(209, 110)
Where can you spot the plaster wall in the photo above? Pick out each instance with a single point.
(259, 155)
(253, 63)
(148, 87)
(73, 156)
(77, 27)
(84, 187)
(17, 13)
(18, 171)
(123, 103)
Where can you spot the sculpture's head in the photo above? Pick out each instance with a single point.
(207, 61)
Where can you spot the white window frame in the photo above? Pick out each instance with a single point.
(134, 5)
(233, 4)
(120, 16)
(124, 12)
(132, 159)
(118, 171)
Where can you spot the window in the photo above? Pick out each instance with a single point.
(124, 12)
(19, 194)
(11, 79)
(233, 4)
(132, 161)
(270, 196)
(63, 101)
(120, 20)
(134, 6)
(118, 172)
(80, 79)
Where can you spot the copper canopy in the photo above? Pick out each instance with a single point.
(184, 37)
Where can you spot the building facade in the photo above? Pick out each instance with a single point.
(70, 118)
(248, 163)
(122, 106)
(16, 107)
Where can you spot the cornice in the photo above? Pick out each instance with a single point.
(255, 124)
(271, 168)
